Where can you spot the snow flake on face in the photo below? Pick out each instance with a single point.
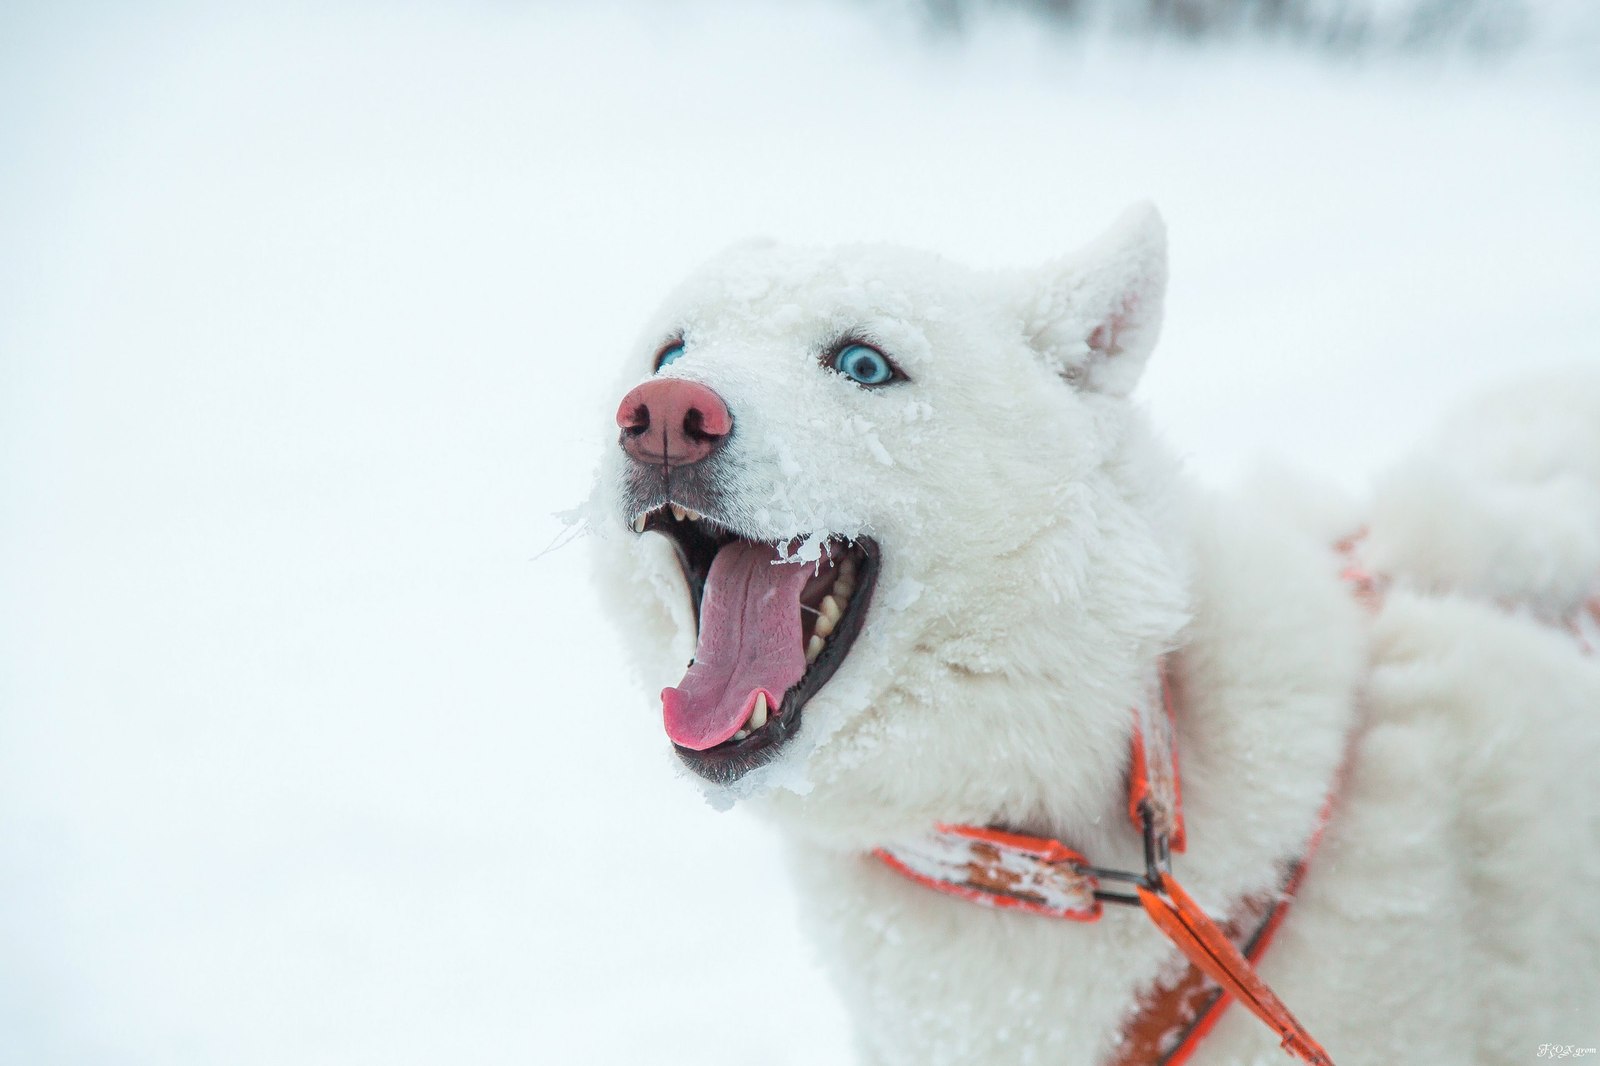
(786, 316)
(868, 435)
(807, 551)
(902, 594)
(747, 287)
(787, 463)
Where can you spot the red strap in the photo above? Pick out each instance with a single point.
(1368, 588)
(1007, 871)
(1154, 788)
(1584, 625)
(1211, 1010)
(1036, 875)
(1204, 944)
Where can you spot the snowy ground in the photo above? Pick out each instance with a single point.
(306, 323)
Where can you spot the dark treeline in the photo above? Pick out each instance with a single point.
(1342, 25)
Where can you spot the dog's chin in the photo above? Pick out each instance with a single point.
(832, 604)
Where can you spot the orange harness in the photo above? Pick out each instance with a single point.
(1037, 875)
(1010, 871)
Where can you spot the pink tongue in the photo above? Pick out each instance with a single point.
(749, 643)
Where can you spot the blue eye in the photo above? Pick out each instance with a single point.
(864, 365)
(669, 354)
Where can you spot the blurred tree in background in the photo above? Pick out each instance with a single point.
(1342, 25)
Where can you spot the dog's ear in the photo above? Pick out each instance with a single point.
(1094, 315)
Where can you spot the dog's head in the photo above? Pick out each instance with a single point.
(846, 480)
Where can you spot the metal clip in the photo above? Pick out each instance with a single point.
(1157, 860)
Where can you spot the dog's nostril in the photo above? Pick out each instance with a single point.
(634, 421)
(708, 423)
(694, 426)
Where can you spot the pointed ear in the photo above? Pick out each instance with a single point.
(1094, 316)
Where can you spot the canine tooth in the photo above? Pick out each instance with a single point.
(694, 516)
(638, 524)
(824, 626)
(831, 609)
(847, 570)
(679, 513)
(741, 734)
(758, 717)
(814, 649)
(842, 589)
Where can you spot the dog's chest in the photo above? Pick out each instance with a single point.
(929, 979)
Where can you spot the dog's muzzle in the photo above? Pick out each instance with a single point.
(771, 628)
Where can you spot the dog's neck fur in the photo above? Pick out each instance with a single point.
(1148, 560)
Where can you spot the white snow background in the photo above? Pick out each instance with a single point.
(307, 317)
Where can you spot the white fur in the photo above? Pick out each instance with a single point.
(1040, 551)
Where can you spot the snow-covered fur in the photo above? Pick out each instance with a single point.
(1040, 551)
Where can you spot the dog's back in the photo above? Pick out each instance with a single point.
(1503, 502)
(1469, 844)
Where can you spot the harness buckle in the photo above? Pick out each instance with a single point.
(1157, 861)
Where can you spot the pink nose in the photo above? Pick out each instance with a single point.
(672, 421)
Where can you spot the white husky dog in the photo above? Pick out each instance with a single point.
(923, 555)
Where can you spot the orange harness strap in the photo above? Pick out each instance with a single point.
(1037, 875)
(1206, 946)
(1171, 1023)
(1153, 783)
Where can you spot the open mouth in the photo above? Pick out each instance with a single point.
(771, 632)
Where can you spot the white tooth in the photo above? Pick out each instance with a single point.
(758, 717)
(694, 516)
(678, 512)
(814, 649)
(638, 524)
(842, 589)
(741, 734)
(831, 609)
(824, 626)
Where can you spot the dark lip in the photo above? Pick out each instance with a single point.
(731, 760)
